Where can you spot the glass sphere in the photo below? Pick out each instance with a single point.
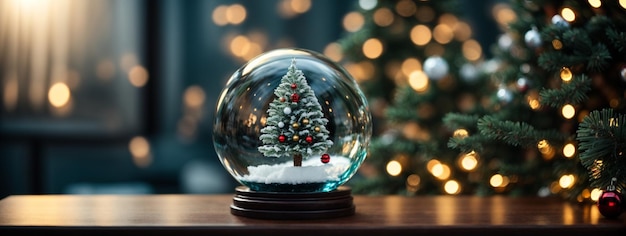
(312, 149)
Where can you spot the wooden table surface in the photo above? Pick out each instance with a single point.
(385, 215)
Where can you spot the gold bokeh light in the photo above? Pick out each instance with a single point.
(595, 3)
(443, 34)
(567, 181)
(372, 48)
(472, 50)
(59, 94)
(566, 74)
(568, 14)
(469, 161)
(236, 14)
(568, 111)
(569, 150)
(394, 168)
(420, 35)
(383, 17)
(452, 187)
(418, 80)
(353, 21)
(138, 76)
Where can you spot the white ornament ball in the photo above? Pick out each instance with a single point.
(436, 67)
(281, 124)
(622, 73)
(522, 84)
(532, 38)
(505, 42)
(469, 72)
(287, 110)
(559, 21)
(504, 95)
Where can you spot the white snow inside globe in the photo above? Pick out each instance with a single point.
(291, 120)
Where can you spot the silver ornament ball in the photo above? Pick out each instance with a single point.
(532, 38)
(436, 67)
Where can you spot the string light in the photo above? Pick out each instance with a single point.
(235, 14)
(140, 150)
(413, 181)
(472, 50)
(333, 51)
(499, 181)
(420, 35)
(441, 171)
(568, 14)
(409, 65)
(595, 3)
(443, 34)
(566, 74)
(622, 3)
(546, 149)
(383, 17)
(372, 48)
(418, 80)
(394, 168)
(533, 100)
(138, 76)
(595, 194)
(469, 161)
(406, 8)
(460, 133)
(462, 31)
(557, 44)
(452, 187)
(567, 181)
(59, 94)
(353, 21)
(568, 111)
(569, 150)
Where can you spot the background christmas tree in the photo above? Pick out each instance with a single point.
(415, 61)
(566, 60)
(295, 124)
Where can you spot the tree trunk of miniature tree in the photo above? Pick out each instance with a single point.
(297, 160)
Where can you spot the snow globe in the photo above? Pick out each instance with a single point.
(290, 125)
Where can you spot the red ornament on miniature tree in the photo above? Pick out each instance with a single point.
(282, 138)
(308, 139)
(295, 97)
(325, 158)
(294, 86)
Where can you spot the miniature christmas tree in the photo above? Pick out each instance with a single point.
(295, 124)
(564, 63)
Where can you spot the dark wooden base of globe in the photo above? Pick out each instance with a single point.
(292, 206)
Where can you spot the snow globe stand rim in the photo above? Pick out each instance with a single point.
(292, 205)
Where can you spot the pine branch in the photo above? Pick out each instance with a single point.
(458, 121)
(617, 39)
(601, 138)
(515, 133)
(467, 144)
(572, 92)
(599, 59)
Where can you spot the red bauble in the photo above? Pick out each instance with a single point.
(295, 97)
(282, 138)
(325, 158)
(282, 99)
(308, 139)
(294, 86)
(610, 204)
